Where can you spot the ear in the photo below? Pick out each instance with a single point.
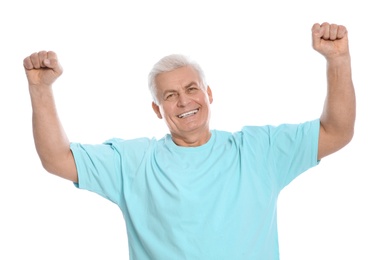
(156, 110)
(209, 93)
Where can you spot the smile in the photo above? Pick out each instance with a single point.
(187, 114)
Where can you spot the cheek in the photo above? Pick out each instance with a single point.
(206, 99)
(166, 110)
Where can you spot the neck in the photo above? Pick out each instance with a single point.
(191, 140)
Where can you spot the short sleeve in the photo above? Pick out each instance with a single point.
(99, 169)
(294, 149)
(109, 168)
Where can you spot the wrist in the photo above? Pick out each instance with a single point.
(339, 60)
(40, 91)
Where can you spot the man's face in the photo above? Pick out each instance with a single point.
(185, 105)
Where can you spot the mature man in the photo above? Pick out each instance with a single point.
(197, 193)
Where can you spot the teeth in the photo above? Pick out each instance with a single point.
(188, 113)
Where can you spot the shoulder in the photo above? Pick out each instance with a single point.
(270, 130)
(129, 142)
(132, 145)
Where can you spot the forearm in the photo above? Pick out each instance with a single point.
(50, 139)
(338, 116)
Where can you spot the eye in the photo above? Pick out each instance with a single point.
(192, 89)
(170, 96)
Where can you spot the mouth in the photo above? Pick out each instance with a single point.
(188, 114)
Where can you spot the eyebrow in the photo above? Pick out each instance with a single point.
(185, 87)
(191, 84)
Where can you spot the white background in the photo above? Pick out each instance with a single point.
(259, 62)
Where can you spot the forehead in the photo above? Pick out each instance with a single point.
(179, 77)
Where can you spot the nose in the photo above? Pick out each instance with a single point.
(183, 100)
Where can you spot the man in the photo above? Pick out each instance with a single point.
(197, 193)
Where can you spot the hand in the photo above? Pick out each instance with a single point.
(330, 40)
(42, 68)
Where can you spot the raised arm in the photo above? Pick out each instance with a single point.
(338, 116)
(51, 142)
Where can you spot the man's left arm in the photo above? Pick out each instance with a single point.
(338, 116)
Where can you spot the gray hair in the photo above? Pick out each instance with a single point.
(170, 63)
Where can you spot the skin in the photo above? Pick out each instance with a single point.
(178, 92)
(338, 116)
(181, 91)
(51, 142)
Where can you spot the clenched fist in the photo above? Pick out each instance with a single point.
(42, 68)
(330, 40)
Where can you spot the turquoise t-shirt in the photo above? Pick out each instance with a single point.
(215, 201)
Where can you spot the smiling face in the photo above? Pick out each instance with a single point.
(184, 104)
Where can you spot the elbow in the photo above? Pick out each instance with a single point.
(48, 166)
(332, 139)
(49, 162)
(340, 133)
(350, 135)
(345, 137)
(63, 167)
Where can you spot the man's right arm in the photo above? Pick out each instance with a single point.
(51, 142)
